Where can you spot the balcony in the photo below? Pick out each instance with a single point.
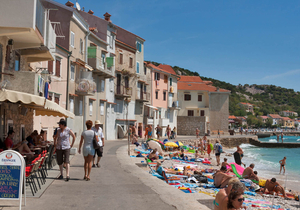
(122, 91)
(27, 26)
(142, 96)
(85, 85)
(163, 122)
(96, 61)
(174, 105)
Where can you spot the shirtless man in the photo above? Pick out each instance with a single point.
(158, 131)
(249, 174)
(221, 178)
(281, 136)
(197, 133)
(220, 202)
(150, 131)
(225, 163)
(282, 165)
(133, 128)
(273, 186)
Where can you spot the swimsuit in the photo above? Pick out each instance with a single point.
(215, 203)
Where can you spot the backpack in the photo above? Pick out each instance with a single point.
(220, 148)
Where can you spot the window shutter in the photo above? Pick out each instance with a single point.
(57, 68)
(140, 47)
(137, 67)
(158, 76)
(165, 78)
(92, 52)
(109, 61)
(50, 67)
(121, 58)
(171, 81)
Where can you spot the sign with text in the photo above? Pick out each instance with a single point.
(11, 175)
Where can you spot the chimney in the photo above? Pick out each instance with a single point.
(69, 4)
(91, 12)
(107, 17)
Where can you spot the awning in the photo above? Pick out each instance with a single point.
(197, 108)
(231, 121)
(152, 107)
(52, 108)
(38, 103)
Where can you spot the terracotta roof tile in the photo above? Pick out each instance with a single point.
(231, 117)
(246, 103)
(190, 79)
(167, 68)
(275, 116)
(286, 118)
(264, 117)
(198, 86)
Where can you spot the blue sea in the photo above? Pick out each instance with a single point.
(266, 161)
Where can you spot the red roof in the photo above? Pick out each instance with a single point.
(198, 86)
(274, 116)
(190, 79)
(264, 117)
(246, 103)
(286, 118)
(242, 118)
(154, 67)
(231, 117)
(167, 68)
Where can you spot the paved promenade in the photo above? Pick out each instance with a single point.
(111, 187)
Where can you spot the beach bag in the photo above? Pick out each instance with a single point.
(220, 148)
(95, 143)
(201, 178)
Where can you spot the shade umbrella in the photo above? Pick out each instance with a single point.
(155, 145)
(171, 144)
(179, 143)
(158, 141)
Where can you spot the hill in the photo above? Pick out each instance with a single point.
(268, 99)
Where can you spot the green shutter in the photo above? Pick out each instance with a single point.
(92, 52)
(109, 61)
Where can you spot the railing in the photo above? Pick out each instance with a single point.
(144, 96)
(50, 40)
(123, 91)
(40, 17)
(95, 61)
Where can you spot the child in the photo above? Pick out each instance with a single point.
(225, 163)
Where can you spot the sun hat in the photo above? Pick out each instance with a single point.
(97, 122)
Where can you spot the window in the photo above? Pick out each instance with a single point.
(187, 97)
(165, 79)
(130, 62)
(80, 108)
(199, 97)
(102, 86)
(145, 88)
(112, 109)
(72, 41)
(50, 96)
(72, 105)
(103, 59)
(121, 59)
(139, 46)
(50, 67)
(190, 112)
(145, 70)
(17, 62)
(171, 81)
(101, 108)
(56, 98)
(57, 67)
(137, 67)
(72, 72)
(157, 76)
(81, 47)
(111, 41)
(165, 95)
(156, 94)
(202, 113)
(91, 107)
(126, 82)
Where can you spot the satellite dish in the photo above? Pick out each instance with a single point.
(77, 6)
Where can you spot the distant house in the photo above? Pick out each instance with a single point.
(276, 118)
(287, 122)
(297, 124)
(242, 121)
(232, 120)
(248, 107)
(264, 118)
(288, 113)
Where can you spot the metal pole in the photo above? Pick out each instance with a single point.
(128, 131)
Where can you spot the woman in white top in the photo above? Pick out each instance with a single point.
(88, 150)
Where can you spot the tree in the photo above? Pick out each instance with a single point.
(269, 122)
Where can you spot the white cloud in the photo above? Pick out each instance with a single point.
(288, 73)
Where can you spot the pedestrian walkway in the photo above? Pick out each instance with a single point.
(111, 187)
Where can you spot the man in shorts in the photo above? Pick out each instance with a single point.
(99, 133)
(217, 152)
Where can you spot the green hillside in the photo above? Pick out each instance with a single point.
(268, 99)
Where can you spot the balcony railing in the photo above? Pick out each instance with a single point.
(96, 61)
(121, 90)
(142, 96)
(40, 17)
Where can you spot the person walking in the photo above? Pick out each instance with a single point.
(281, 136)
(175, 132)
(88, 150)
(218, 151)
(98, 130)
(168, 131)
(197, 133)
(63, 146)
(209, 146)
(146, 132)
(158, 131)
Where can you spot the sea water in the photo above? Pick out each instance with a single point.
(267, 164)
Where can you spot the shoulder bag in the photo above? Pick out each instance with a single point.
(95, 143)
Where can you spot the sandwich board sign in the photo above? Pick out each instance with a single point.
(12, 176)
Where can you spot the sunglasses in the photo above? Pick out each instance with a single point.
(241, 199)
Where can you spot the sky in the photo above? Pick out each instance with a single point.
(240, 42)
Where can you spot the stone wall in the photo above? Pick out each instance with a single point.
(187, 125)
(219, 111)
(12, 112)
